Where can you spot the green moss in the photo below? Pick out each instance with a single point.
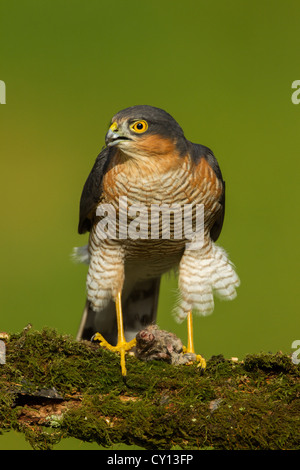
(271, 362)
(250, 405)
(39, 438)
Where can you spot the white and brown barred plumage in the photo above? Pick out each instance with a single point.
(157, 166)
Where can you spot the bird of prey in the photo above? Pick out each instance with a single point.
(148, 162)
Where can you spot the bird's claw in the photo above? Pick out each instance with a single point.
(122, 347)
(201, 362)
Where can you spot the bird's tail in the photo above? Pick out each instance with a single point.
(139, 306)
(201, 276)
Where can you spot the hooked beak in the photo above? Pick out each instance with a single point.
(114, 136)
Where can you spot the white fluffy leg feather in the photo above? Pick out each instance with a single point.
(203, 273)
(81, 254)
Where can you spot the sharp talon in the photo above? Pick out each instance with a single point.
(122, 347)
(98, 337)
(201, 361)
(195, 357)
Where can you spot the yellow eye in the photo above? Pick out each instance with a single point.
(139, 126)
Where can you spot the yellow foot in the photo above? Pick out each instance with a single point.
(201, 361)
(122, 347)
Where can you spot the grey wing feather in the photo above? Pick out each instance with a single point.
(92, 190)
(198, 151)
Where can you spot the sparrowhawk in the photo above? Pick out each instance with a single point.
(148, 162)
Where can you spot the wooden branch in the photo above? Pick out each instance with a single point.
(75, 389)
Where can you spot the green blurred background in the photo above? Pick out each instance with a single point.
(224, 70)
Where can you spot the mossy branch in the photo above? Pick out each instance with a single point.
(52, 387)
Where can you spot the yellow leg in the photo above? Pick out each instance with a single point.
(122, 346)
(190, 344)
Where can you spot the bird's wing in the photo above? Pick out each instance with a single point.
(92, 190)
(200, 151)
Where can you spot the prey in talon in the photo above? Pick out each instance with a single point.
(155, 344)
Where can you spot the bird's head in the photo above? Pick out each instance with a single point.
(145, 131)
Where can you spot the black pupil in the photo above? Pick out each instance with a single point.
(140, 126)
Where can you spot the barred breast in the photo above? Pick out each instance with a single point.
(175, 181)
(151, 184)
